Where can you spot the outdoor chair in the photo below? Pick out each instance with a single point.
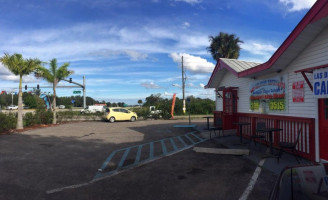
(258, 134)
(218, 127)
(289, 146)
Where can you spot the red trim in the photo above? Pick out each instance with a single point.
(217, 66)
(290, 126)
(310, 70)
(307, 81)
(318, 11)
(223, 64)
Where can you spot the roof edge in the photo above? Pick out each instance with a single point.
(310, 17)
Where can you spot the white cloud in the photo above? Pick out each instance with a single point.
(81, 42)
(150, 85)
(106, 53)
(191, 1)
(202, 85)
(257, 50)
(6, 75)
(193, 64)
(297, 5)
(168, 94)
(186, 25)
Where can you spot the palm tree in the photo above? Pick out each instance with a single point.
(140, 102)
(54, 75)
(20, 67)
(224, 45)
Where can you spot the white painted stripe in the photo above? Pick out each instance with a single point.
(253, 180)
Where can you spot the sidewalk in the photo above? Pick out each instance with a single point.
(231, 141)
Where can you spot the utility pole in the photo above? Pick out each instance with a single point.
(183, 88)
(84, 95)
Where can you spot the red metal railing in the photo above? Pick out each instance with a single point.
(290, 126)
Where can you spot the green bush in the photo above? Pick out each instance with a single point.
(44, 116)
(142, 112)
(7, 122)
(30, 119)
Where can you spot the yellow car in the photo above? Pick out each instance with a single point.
(120, 114)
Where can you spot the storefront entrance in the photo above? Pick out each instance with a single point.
(323, 128)
(229, 107)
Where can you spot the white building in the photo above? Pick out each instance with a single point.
(289, 91)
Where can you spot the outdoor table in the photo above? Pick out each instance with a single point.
(241, 124)
(208, 122)
(269, 131)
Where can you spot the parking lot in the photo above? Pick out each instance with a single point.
(61, 162)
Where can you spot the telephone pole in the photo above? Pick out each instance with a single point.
(183, 88)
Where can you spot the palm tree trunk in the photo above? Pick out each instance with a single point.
(54, 120)
(19, 124)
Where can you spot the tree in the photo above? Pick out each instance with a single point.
(140, 102)
(224, 45)
(20, 67)
(54, 75)
(153, 100)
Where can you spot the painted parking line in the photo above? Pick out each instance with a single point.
(253, 180)
(142, 149)
(163, 147)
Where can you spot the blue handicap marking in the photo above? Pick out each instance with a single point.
(142, 149)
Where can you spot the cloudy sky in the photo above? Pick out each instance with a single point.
(129, 50)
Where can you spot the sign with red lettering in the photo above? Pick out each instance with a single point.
(298, 91)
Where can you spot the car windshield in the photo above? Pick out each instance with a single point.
(308, 182)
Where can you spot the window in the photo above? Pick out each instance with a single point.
(124, 111)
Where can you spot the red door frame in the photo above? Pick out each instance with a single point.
(323, 128)
(230, 107)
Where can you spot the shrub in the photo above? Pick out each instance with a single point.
(141, 112)
(30, 119)
(7, 122)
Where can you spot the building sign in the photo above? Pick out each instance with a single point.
(269, 95)
(320, 83)
(298, 91)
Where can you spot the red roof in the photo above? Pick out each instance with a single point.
(318, 11)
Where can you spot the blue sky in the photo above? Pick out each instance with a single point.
(129, 50)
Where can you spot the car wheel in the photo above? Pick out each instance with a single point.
(133, 119)
(112, 120)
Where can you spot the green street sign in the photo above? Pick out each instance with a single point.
(76, 92)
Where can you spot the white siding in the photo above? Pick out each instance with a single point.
(231, 80)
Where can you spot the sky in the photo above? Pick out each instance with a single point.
(130, 49)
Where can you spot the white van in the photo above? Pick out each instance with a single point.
(93, 109)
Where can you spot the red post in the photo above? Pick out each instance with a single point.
(312, 140)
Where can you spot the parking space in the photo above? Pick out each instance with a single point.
(36, 164)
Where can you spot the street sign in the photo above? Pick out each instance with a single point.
(76, 92)
(73, 101)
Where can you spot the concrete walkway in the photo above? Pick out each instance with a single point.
(257, 152)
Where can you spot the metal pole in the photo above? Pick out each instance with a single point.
(84, 97)
(189, 113)
(12, 98)
(183, 89)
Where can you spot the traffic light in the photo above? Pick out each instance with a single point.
(37, 86)
(70, 80)
(25, 87)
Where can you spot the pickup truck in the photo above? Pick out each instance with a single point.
(12, 107)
